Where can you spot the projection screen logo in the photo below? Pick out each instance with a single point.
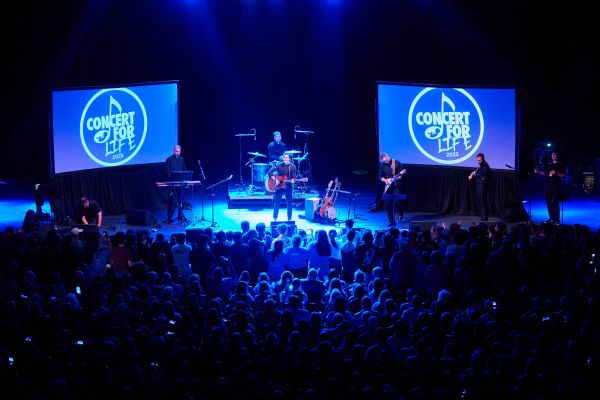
(446, 124)
(113, 126)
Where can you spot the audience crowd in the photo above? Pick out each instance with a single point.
(494, 311)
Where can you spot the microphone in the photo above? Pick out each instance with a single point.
(254, 130)
(296, 130)
(509, 166)
(230, 177)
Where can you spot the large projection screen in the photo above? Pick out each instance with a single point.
(448, 126)
(104, 127)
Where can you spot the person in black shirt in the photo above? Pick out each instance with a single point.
(276, 148)
(284, 175)
(482, 177)
(89, 212)
(390, 174)
(555, 171)
(174, 163)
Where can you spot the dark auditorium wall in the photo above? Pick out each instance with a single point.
(272, 65)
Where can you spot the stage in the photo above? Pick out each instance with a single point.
(217, 212)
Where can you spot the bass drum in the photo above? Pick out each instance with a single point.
(259, 171)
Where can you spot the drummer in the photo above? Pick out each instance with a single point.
(276, 148)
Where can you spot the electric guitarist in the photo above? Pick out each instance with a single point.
(391, 175)
(283, 175)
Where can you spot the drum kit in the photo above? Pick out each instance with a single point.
(259, 178)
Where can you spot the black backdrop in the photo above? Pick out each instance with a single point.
(271, 65)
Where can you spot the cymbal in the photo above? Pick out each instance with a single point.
(256, 154)
(297, 158)
(293, 152)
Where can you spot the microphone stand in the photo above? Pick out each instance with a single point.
(203, 178)
(356, 216)
(241, 180)
(212, 198)
(240, 135)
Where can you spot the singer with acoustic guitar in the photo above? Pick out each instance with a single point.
(391, 175)
(282, 176)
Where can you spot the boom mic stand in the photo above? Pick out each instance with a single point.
(203, 178)
(240, 136)
(308, 169)
(212, 198)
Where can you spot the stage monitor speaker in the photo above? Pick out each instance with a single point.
(422, 225)
(292, 229)
(140, 217)
(310, 206)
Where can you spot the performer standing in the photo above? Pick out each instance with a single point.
(556, 170)
(390, 174)
(174, 163)
(482, 176)
(284, 175)
(276, 148)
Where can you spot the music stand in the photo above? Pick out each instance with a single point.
(352, 205)
(181, 177)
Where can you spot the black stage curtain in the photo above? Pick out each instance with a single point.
(116, 190)
(449, 191)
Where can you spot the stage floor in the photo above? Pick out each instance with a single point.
(14, 203)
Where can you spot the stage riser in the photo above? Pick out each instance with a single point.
(261, 203)
(244, 200)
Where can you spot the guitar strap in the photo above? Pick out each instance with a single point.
(393, 167)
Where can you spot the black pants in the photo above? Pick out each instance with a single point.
(393, 207)
(173, 204)
(553, 202)
(288, 198)
(481, 193)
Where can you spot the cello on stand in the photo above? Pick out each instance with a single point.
(331, 212)
(326, 207)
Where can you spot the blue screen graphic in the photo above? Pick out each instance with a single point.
(447, 126)
(113, 126)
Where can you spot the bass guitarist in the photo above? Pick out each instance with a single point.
(284, 176)
(391, 175)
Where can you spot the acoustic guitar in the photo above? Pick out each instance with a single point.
(326, 201)
(280, 182)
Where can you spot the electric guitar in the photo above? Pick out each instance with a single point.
(281, 181)
(388, 184)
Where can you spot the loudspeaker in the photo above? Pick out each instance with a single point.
(140, 217)
(291, 228)
(422, 225)
(310, 206)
